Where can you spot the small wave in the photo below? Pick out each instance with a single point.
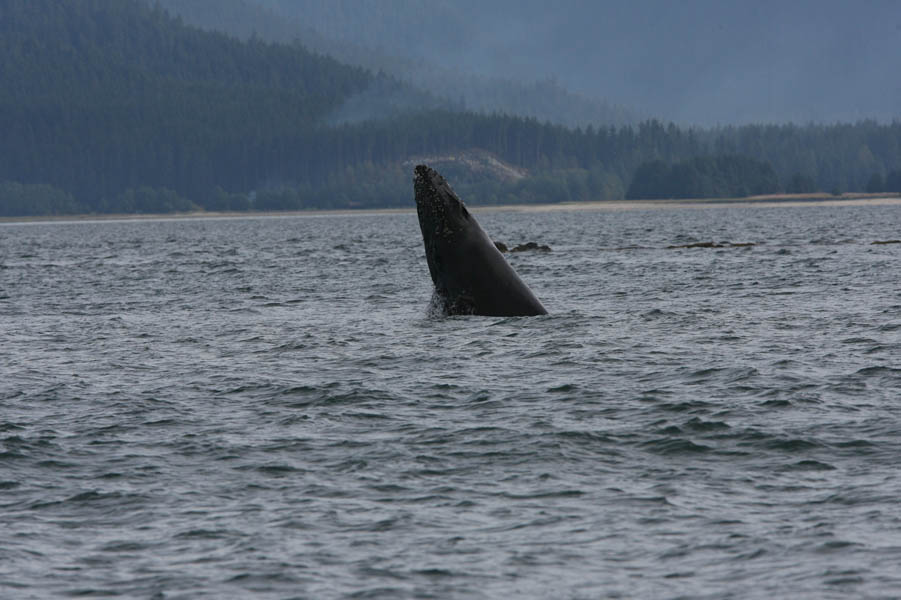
(776, 403)
(809, 465)
(125, 546)
(675, 446)
(482, 398)
(272, 470)
(880, 348)
(859, 445)
(379, 592)
(566, 387)
(92, 499)
(712, 245)
(56, 464)
(9, 456)
(688, 406)
(858, 340)
(833, 546)
(435, 573)
(658, 313)
(586, 437)
(700, 425)
(205, 534)
(704, 375)
(791, 445)
(539, 495)
(879, 372)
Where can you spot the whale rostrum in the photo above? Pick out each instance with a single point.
(470, 274)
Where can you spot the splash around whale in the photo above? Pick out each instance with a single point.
(470, 274)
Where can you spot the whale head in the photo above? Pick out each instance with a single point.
(438, 207)
(443, 217)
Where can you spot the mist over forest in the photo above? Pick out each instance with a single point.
(701, 62)
(123, 106)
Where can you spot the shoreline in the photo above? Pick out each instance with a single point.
(769, 201)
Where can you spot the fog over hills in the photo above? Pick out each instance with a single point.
(348, 39)
(694, 61)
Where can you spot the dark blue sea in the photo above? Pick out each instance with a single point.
(264, 408)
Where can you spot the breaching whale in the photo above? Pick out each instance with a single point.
(470, 274)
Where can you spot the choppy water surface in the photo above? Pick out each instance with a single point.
(262, 408)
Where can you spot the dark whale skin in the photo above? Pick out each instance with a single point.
(470, 274)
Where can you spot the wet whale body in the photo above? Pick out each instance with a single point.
(470, 274)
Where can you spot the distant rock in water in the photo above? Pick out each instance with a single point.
(531, 246)
(886, 242)
(697, 245)
(523, 247)
(713, 245)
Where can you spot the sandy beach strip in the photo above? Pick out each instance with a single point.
(787, 200)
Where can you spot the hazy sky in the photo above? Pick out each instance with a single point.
(733, 61)
(703, 61)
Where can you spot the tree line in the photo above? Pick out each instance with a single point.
(725, 176)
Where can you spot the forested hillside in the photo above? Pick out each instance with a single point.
(113, 106)
(722, 176)
(102, 96)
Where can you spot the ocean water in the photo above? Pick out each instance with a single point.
(264, 408)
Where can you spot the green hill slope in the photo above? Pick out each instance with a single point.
(103, 95)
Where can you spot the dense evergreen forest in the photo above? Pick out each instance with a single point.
(722, 176)
(115, 106)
